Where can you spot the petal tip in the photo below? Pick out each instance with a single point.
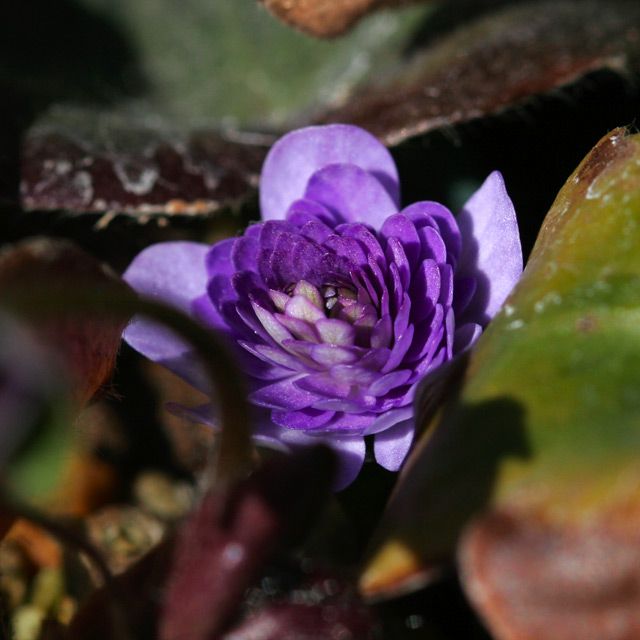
(296, 156)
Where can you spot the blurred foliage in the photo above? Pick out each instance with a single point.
(35, 411)
(193, 60)
(545, 431)
(544, 434)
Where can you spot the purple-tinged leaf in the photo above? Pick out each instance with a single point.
(80, 162)
(323, 606)
(471, 73)
(86, 342)
(223, 546)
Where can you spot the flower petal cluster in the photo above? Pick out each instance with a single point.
(339, 301)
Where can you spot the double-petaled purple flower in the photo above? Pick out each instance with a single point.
(339, 301)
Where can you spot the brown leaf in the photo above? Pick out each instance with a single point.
(87, 482)
(532, 580)
(139, 587)
(326, 18)
(531, 477)
(83, 162)
(496, 62)
(86, 344)
(217, 554)
(223, 546)
(305, 601)
(123, 534)
(331, 619)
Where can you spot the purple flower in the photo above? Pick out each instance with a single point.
(339, 301)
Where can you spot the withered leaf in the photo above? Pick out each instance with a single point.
(193, 582)
(224, 544)
(339, 616)
(140, 587)
(326, 18)
(86, 343)
(531, 476)
(494, 62)
(80, 161)
(535, 580)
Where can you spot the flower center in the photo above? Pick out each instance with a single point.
(341, 304)
(337, 299)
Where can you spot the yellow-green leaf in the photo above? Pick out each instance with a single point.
(541, 446)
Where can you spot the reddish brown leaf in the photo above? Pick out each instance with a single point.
(305, 604)
(139, 587)
(336, 617)
(41, 549)
(497, 62)
(218, 553)
(326, 18)
(81, 162)
(532, 580)
(87, 344)
(223, 546)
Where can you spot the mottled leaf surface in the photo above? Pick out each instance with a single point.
(82, 161)
(212, 60)
(496, 61)
(86, 343)
(535, 464)
(224, 544)
(322, 606)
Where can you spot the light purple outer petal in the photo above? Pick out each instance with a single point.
(391, 446)
(173, 273)
(350, 451)
(390, 419)
(491, 248)
(352, 193)
(298, 155)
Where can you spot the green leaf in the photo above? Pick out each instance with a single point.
(39, 465)
(211, 60)
(545, 434)
(35, 416)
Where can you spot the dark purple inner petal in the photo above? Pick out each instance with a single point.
(382, 333)
(396, 287)
(384, 384)
(365, 237)
(464, 288)
(304, 210)
(338, 322)
(285, 394)
(316, 231)
(446, 285)
(425, 213)
(349, 423)
(353, 194)
(302, 419)
(221, 290)
(465, 336)
(399, 349)
(396, 256)
(348, 248)
(218, 260)
(432, 244)
(244, 253)
(430, 332)
(426, 282)
(401, 227)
